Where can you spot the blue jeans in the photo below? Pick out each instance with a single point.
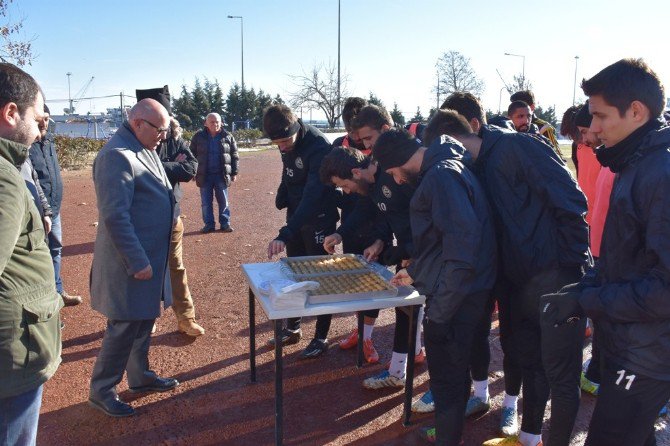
(56, 247)
(215, 186)
(19, 416)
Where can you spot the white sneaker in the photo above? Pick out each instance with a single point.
(384, 379)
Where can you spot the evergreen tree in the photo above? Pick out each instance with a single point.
(374, 100)
(183, 109)
(396, 114)
(548, 115)
(418, 117)
(200, 103)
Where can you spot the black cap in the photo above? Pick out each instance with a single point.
(583, 117)
(161, 95)
(394, 148)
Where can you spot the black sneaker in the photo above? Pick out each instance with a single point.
(315, 349)
(288, 337)
(205, 229)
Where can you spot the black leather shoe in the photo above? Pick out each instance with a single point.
(227, 228)
(206, 229)
(159, 385)
(112, 407)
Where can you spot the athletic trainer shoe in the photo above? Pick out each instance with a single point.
(425, 404)
(350, 341)
(507, 441)
(509, 421)
(428, 434)
(316, 348)
(476, 406)
(371, 355)
(383, 380)
(663, 412)
(288, 337)
(588, 386)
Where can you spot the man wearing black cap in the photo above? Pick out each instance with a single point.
(44, 159)
(180, 166)
(453, 263)
(311, 210)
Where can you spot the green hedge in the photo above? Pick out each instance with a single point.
(76, 153)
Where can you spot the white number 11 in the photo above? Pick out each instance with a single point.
(629, 378)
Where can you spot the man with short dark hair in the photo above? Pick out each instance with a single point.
(218, 164)
(541, 126)
(351, 107)
(453, 263)
(628, 294)
(311, 207)
(30, 337)
(520, 114)
(129, 275)
(543, 245)
(44, 158)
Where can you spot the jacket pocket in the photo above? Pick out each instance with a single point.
(41, 323)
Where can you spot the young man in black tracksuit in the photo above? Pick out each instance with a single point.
(543, 241)
(628, 295)
(385, 204)
(311, 211)
(453, 263)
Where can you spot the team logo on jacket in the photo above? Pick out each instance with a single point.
(298, 163)
(386, 191)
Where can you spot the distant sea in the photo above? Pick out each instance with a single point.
(83, 129)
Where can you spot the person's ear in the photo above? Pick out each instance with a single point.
(356, 173)
(9, 114)
(640, 112)
(385, 127)
(475, 125)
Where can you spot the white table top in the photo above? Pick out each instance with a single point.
(258, 272)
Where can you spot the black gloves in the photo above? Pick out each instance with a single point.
(559, 308)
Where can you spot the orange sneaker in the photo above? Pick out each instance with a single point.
(371, 355)
(350, 341)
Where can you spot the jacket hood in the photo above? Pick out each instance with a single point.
(13, 152)
(490, 136)
(656, 139)
(444, 148)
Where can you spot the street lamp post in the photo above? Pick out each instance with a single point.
(500, 100)
(242, 42)
(339, 100)
(69, 95)
(523, 66)
(574, 87)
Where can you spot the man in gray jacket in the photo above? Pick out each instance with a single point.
(129, 275)
(30, 341)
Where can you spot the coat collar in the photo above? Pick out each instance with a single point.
(13, 152)
(149, 160)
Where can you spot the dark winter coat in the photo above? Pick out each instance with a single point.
(177, 172)
(631, 302)
(229, 156)
(538, 208)
(44, 158)
(301, 192)
(454, 242)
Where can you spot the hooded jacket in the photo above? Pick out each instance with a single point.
(631, 302)
(301, 191)
(454, 242)
(45, 162)
(538, 208)
(229, 156)
(30, 336)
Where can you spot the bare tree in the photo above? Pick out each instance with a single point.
(318, 90)
(457, 75)
(13, 48)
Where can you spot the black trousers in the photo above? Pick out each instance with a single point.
(481, 350)
(550, 359)
(593, 371)
(627, 407)
(310, 243)
(448, 348)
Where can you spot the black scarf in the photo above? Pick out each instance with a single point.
(622, 154)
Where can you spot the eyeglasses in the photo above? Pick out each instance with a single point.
(159, 130)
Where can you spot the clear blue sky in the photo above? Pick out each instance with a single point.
(388, 47)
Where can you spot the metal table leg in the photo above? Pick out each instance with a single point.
(409, 381)
(359, 349)
(279, 390)
(252, 335)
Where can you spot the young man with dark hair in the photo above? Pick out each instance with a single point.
(30, 337)
(453, 263)
(311, 210)
(521, 115)
(370, 122)
(385, 204)
(627, 296)
(543, 241)
(352, 107)
(543, 127)
(469, 107)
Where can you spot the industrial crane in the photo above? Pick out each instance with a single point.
(77, 97)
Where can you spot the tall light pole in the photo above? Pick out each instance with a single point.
(69, 94)
(242, 42)
(574, 87)
(500, 100)
(523, 66)
(339, 101)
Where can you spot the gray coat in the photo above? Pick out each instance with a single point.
(135, 207)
